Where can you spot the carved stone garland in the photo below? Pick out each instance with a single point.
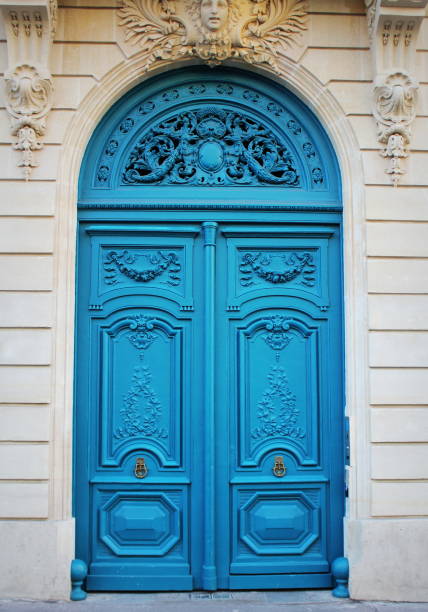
(256, 31)
(393, 30)
(29, 88)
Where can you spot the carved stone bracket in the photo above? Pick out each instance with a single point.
(30, 27)
(393, 28)
(255, 31)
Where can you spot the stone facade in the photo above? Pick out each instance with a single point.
(364, 72)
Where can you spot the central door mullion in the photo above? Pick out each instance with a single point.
(209, 570)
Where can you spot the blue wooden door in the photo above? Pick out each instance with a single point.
(280, 385)
(209, 399)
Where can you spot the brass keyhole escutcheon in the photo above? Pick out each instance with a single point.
(141, 470)
(279, 470)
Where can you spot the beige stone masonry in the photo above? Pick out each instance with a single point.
(93, 25)
(20, 423)
(408, 537)
(24, 461)
(26, 235)
(26, 309)
(85, 59)
(331, 64)
(25, 384)
(354, 7)
(400, 499)
(26, 272)
(404, 312)
(407, 424)
(350, 31)
(397, 239)
(71, 90)
(353, 96)
(400, 461)
(384, 203)
(397, 276)
(23, 500)
(398, 349)
(15, 199)
(399, 386)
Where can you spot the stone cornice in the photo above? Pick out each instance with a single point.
(30, 27)
(394, 27)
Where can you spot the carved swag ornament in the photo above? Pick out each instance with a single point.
(256, 31)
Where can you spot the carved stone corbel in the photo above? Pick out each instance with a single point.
(30, 27)
(393, 28)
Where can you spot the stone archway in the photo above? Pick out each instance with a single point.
(328, 111)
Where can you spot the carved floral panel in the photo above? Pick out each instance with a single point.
(142, 381)
(278, 389)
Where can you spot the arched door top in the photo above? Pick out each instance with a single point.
(214, 131)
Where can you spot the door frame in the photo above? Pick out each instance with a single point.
(327, 109)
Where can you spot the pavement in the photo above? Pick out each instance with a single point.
(221, 601)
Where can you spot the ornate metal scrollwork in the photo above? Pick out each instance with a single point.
(211, 146)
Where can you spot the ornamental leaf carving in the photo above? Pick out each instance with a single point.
(29, 28)
(278, 337)
(262, 265)
(141, 411)
(255, 31)
(157, 263)
(277, 413)
(211, 146)
(394, 110)
(28, 101)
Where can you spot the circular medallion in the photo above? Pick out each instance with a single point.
(210, 156)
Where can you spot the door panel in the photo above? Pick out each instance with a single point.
(280, 329)
(209, 405)
(139, 342)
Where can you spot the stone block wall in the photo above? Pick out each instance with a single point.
(387, 522)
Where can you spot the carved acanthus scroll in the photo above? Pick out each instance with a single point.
(394, 110)
(256, 31)
(29, 87)
(393, 29)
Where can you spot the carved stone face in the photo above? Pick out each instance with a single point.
(214, 14)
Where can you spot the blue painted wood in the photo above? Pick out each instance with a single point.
(209, 570)
(340, 569)
(209, 341)
(78, 573)
(207, 129)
